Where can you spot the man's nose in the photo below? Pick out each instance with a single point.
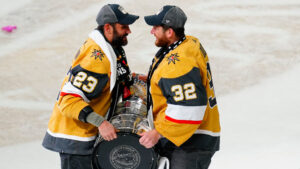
(152, 30)
(128, 31)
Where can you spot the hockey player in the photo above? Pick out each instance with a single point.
(98, 74)
(181, 95)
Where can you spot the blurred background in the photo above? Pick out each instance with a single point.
(253, 46)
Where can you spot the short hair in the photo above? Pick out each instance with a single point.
(101, 27)
(179, 32)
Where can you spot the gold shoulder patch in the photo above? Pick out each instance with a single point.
(173, 58)
(97, 54)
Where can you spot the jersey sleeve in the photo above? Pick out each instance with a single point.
(88, 85)
(186, 103)
(85, 82)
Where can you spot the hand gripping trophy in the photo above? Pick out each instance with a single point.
(129, 118)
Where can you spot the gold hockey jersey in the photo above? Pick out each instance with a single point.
(184, 103)
(89, 83)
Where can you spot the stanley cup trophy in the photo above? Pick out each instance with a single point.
(129, 118)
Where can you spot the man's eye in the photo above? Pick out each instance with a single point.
(124, 26)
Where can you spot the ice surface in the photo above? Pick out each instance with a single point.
(253, 48)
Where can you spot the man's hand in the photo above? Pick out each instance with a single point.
(150, 138)
(107, 131)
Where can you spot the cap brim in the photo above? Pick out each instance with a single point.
(129, 19)
(152, 20)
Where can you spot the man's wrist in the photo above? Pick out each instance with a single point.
(158, 134)
(95, 119)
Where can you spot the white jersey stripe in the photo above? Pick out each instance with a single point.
(189, 113)
(69, 88)
(60, 135)
(207, 133)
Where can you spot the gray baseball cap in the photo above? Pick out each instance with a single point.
(169, 15)
(114, 13)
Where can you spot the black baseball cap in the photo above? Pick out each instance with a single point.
(115, 13)
(169, 15)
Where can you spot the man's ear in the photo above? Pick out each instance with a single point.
(108, 28)
(170, 33)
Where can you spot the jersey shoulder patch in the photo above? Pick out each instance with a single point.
(90, 83)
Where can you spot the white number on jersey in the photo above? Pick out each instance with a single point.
(186, 92)
(81, 77)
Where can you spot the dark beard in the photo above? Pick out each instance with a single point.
(117, 40)
(163, 42)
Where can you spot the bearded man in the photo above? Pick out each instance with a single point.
(181, 95)
(97, 77)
